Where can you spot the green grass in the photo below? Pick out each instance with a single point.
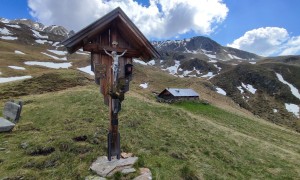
(186, 140)
(243, 125)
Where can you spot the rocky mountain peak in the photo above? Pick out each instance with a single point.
(201, 45)
(33, 25)
(58, 30)
(54, 29)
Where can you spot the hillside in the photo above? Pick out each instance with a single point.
(266, 86)
(226, 70)
(258, 89)
(62, 132)
(64, 122)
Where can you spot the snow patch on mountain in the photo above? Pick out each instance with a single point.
(173, 69)
(212, 61)
(139, 62)
(221, 91)
(60, 53)
(293, 108)
(219, 68)
(5, 21)
(8, 38)
(38, 35)
(151, 63)
(186, 72)
(13, 25)
(17, 67)
(233, 56)
(54, 57)
(249, 87)
(49, 64)
(19, 52)
(209, 54)
(209, 75)
(87, 70)
(294, 90)
(144, 85)
(10, 79)
(43, 41)
(240, 89)
(5, 31)
(56, 44)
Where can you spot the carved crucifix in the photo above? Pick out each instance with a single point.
(115, 65)
(115, 104)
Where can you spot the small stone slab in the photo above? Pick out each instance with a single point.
(145, 174)
(94, 178)
(128, 170)
(11, 111)
(6, 125)
(103, 167)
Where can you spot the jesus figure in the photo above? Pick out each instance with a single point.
(115, 65)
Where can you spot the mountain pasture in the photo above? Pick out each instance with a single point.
(63, 125)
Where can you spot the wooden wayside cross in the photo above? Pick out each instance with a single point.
(116, 93)
(113, 41)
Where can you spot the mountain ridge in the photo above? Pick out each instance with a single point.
(54, 29)
(203, 45)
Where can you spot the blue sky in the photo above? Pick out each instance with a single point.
(241, 24)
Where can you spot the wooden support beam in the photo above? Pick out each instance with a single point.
(99, 49)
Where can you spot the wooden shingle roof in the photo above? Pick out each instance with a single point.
(125, 26)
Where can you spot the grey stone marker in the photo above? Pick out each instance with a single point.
(11, 113)
(105, 168)
(6, 125)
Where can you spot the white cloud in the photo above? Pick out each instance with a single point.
(268, 41)
(161, 19)
(292, 46)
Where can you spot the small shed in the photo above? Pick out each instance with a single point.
(178, 94)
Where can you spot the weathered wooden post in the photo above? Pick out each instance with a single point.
(113, 41)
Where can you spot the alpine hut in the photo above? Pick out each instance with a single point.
(178, 94)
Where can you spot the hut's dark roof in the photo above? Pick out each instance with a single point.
(125, 25)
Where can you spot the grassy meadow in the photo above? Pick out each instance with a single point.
(61, 133)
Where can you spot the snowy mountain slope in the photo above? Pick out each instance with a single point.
(205, 46)
(57, 30)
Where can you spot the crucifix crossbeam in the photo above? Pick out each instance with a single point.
(100, 49)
